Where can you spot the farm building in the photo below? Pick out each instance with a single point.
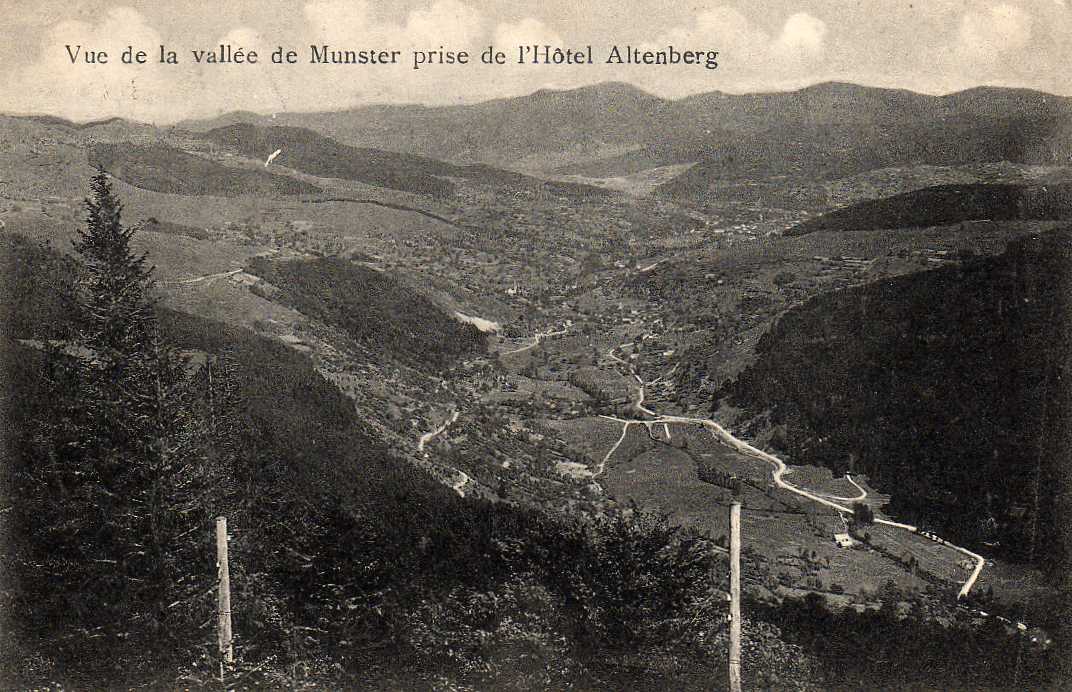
(843, 540)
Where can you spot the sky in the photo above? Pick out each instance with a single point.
(931, 46)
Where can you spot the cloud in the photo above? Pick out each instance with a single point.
(802, 34)
(79, 89)
(750, 57)
(443, 23)
(447, 22)
(336, 20)
(721, 28)
(1002, 29)
(742, 41)
(508, 35)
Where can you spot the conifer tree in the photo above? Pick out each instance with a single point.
(130, 463)
(114, 289)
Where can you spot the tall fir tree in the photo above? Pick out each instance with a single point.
(130, 462)
(118, 318)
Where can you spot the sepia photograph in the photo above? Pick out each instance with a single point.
(465, 345)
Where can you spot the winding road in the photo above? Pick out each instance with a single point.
(780, 468)
(457, 486)
(536, 339)
(199, 279)
(858, 498)
(427, 437)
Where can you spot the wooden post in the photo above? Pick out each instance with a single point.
(735, 596)
(224, 604)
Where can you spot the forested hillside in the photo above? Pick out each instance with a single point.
(162, 168)
(943, 205)
(948, 388)
(378, 309)
(807, 151)
(312, 153)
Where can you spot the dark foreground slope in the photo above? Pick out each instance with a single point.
(942, 205)
(347, 564)
(949, 388)
(353, 569)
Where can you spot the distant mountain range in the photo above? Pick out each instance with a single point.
(613, 129)
(499, 132)
(824, 132)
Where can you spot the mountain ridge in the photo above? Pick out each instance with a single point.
(567, 126)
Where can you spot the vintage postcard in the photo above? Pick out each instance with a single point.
(501, 345)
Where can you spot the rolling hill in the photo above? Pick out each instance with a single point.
(375, 308)
(162, 168)
(312, 153)
(816, 152)
(942, 205)
(502, 132)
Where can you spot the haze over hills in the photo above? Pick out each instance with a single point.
(500, 132)
(823, 132)
(555, 128)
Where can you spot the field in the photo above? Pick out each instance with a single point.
(820, 480)
(589, 436)
(645, 477)
(932, 558)
(788, 542)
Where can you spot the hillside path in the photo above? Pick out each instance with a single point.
(780, 468)
(536, 339)
(428, 436)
